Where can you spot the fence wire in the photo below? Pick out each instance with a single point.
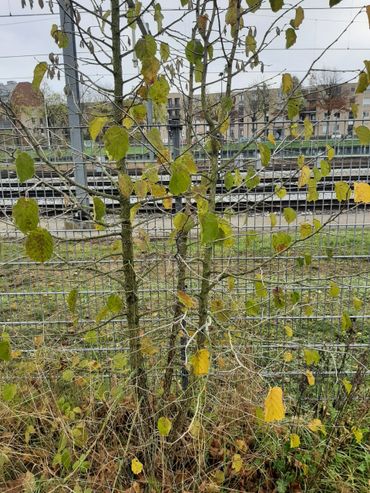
(306, 295)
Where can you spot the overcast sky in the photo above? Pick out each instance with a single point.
(26, 40)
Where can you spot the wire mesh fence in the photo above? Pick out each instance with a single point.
(316, 295)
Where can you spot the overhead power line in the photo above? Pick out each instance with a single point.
(50, 14)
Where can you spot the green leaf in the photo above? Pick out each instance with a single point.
(229, 180)
(9, 391)
(265, 153)
(149, 69)
(254, 5)
(209, 227)
(183, 222)
(5, 350)
(363, 82)
(250, 43)
(346, 322)
(357, 303)
(116, 142)
(164, 51)
(363, 134)
(25, 166)
(290, 214)
(290, 37)
(39, 245)
(252, 308)
(347, 385)
(312, 194)
(38, 75)
(225, 232)
(293, 107)
(96, 126)
(252, 179)
(299, 16)
(194, 51)
(158, 16)
(261, 291)
(334, 290)
(72, 300)
(114, 304)
(99, 208)
(164, 426)
(146, 47)
(325, 168)
(119, 361)
(273, 219)
(342, 191)
(276, 5)
(311, 356)
(26, 214)
(281, 241)
(68, 376)
(180, 179)
(280, 191)
(159, 91)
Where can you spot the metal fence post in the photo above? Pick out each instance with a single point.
(73, 101)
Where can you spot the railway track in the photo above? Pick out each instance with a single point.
(52, 199)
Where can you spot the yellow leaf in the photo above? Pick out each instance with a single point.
(308, 128)
(96, 126)
(295, 441)
(164, 426)
(347, 385)
(136, 466)
(271, 139)
(237, 463)
(186, 300)
(300, 161)
(362, 193)
(241, 445)
(334, 290)
(167, 203)
(200, 362)
(287, 83)
(311, 356)
(357, 303)
(316, 425)
(273, 219)
(357, 433)
(274, 407)
(125, 185)
(304, 176)
(231, 283)
(287, 357)
(331, 152)
(310, 377)
(305, 230)
(147, 347)
(288, 331)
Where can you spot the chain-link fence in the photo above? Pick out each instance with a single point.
(315, 295)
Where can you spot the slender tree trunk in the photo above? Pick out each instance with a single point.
(130, 282)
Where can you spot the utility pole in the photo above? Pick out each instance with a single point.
(73, 102)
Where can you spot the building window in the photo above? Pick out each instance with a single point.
(365, 114)
(367, 101)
